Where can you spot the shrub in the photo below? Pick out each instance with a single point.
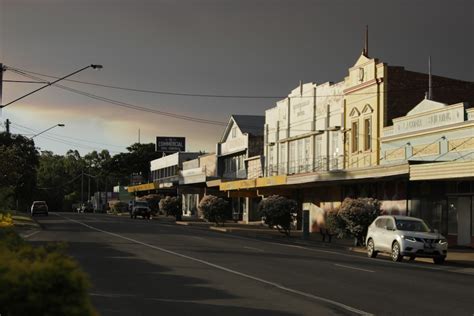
(153, 202)
(358, 214)
(335, 224)
(171, 206)
(6, 219)
(277, 211)
(214, 209)
(119, 207)
(40, 280)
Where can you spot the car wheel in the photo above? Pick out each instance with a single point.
(371, 253)
(438, 260)
(396, 256)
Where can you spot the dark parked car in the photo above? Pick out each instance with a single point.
(140, 208)
(39, 207)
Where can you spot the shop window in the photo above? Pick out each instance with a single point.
(452, 216)
(355, 137)
(367, 134)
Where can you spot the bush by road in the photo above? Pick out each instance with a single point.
(40, 280)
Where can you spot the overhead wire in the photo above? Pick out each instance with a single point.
(208, 95)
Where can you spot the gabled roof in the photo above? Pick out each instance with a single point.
(425, 106)
(248, 124)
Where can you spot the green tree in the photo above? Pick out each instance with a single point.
(357, 214)
(18, 163)
(214, 209)
(277, 212)
(171, 206)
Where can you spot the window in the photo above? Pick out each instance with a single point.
(367, 134)
(318, 147)
(292, 156)
(355, 137)
(234, 132)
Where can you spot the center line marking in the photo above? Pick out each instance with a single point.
(276, 285)
(354, 268)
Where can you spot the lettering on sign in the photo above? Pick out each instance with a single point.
(429, 121)
(298, 108)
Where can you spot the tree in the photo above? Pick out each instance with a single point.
(277, 212)
(214, 209)
(357, 214)
(171, 206)
(18, 162)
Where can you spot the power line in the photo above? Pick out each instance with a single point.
(69, 143)
(131, 106)
(208, 95)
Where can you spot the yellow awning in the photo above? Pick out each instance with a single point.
(237, 185)
(143, 187)
(442, 170)
(271, 181)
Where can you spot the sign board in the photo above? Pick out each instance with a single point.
(169, 145)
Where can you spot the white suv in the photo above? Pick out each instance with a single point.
(405, 236)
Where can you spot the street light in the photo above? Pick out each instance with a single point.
(93, 66)
(60, 125)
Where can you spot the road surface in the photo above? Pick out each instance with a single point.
(148, 267)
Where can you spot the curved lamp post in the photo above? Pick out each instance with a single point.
(60, 125)
(93, 66)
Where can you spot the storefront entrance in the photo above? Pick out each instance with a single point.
(460, 220)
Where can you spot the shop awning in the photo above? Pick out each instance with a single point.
(442, 170)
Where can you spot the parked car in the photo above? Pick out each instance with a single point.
(402, 236)
(39, 207)
(140, 208)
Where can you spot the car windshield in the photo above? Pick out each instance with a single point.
(143, 204)
(40, 203)
(412, 225)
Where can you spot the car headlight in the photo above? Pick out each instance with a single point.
(409, 238)
(442, 241)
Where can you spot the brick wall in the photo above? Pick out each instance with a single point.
(405, 89)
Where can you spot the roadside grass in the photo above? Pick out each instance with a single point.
(40, 280)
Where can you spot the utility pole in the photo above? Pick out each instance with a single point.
(82, 186)
(1, 81)
(139, 136)
(7, 126)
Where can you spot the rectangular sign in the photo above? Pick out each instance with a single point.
(170, 145)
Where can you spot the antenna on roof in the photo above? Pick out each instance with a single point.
(365, 51)
(301, 87)
(430, 87)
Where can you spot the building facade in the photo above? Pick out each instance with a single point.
(303, 132)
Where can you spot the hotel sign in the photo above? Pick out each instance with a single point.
(428, 120)
(170, 145)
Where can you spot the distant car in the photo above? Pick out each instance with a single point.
(39, 207)
(140, 208)
(404, 236)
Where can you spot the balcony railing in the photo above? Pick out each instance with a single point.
(306, 165)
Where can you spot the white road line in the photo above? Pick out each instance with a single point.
(34, 233)
(276, 285)
(447, 268)
(349, 267)
(252, 248)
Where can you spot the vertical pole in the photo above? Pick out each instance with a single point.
(1, 82)
(430, 91)
(82, 187)
(7, 126)
(106, 197)
(139, 136)
(89, 187)
(328, 116)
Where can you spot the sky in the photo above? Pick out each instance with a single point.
(224, 47)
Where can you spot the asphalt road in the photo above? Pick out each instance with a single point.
(143, 267)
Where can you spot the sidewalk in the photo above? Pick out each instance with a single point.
(456, 256)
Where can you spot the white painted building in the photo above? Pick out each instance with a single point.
(303, 132)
